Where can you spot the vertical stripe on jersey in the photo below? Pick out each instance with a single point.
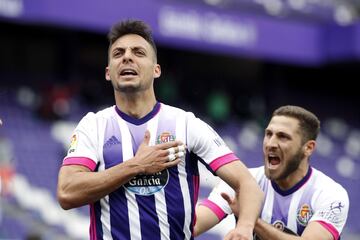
(173, 198)
(185, 179)
(92, 222)
(160, 201)
(146, 204)
(292, 213)
(98, 227)
(112, 155)
(133, 210)
(148, 217)
(108, 150)
(106, 218)
(280, 208)
(269, 203)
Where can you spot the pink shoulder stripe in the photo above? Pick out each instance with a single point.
(331, 229)
(220, 161)
(83, 161)
(214, 208)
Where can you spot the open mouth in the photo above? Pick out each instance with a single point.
(273, 161)
(128, 72)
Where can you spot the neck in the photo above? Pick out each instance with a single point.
(136, 105)
(292, 179)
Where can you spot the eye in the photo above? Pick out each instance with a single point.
(117, 54)
(268, 134)
(139, 53)
(283, 137)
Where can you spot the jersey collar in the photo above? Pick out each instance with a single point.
(139, 121)
(295, 187)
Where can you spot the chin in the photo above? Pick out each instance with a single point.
(128, 88)
(271, 174)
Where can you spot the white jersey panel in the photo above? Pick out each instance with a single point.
(332, 204)
(204, 141)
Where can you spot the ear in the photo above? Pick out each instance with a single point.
(107, 74)
(157, 71)
(309, 147)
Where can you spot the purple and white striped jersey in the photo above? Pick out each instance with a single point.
(315, 198)
(149, 207)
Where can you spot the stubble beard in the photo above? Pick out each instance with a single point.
(126, 87)
(292, 165)
(130, 87)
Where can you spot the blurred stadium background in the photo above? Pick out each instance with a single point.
(230, 61)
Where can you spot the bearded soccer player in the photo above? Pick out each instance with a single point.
(301, 202)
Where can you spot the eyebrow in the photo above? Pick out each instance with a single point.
(132, 48)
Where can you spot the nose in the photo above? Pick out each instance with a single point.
(271, 142)
(127, 55)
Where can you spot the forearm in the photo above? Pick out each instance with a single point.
(205, 219)
(248, 195)
(249, 198)
(78, 187)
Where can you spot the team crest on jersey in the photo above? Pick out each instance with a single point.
(146, 185)
(165, 137)
(304, 214)
(73, 143)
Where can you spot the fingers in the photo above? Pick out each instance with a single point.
(173, 150)
(172, 157)
(172, 163)
(176, 152)
(227, 198)
(169, 144)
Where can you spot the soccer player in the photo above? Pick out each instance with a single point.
(136, 163)
(299, 199)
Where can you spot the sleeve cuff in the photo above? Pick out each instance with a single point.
(83, 161)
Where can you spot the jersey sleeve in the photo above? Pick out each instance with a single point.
(217, 204)
(332, 210)
(83, 144)
(203, 141)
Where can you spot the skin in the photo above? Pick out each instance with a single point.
(134, 95)
(282, 140)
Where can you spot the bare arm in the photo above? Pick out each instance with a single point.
(313, 231)
(248, 195)
(205, 219)
(78, 186)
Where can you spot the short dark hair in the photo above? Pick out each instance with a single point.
(131, 26)
(309, 124)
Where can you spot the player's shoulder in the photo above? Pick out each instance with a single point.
(168, 109)
(101, 115)
(326, 183)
